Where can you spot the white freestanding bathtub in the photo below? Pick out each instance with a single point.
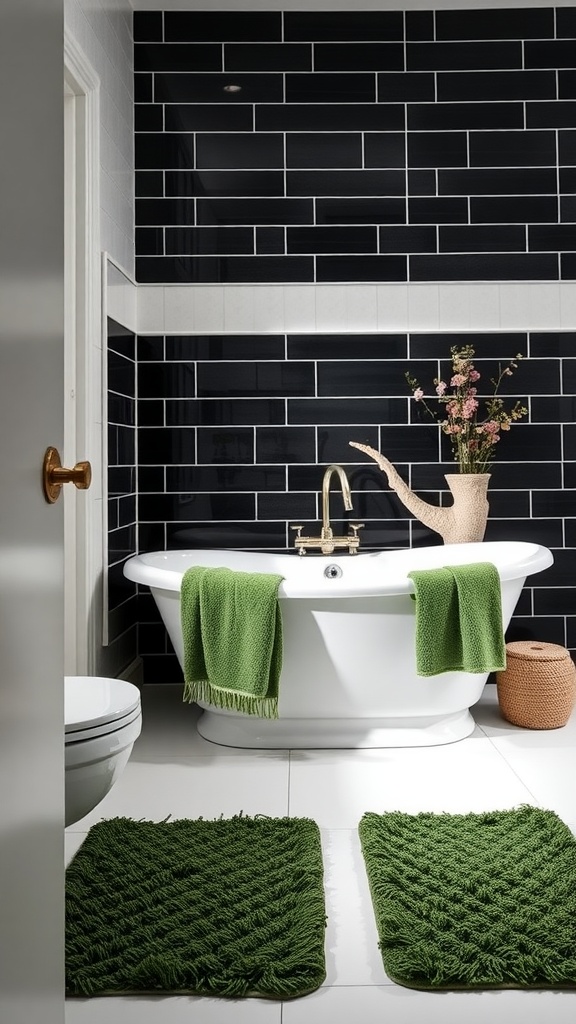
(349, 666)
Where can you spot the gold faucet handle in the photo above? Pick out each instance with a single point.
(356, 527)
(298, 527)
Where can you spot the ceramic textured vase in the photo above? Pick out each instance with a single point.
(463, 522)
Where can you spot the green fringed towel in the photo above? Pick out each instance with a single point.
(233, 907)
(232, 631)
(474, 900)
(458, 619)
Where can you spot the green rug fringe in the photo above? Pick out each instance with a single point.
(230, 700)
(473, 900)
(233, 907)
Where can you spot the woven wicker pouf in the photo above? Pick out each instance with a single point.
(537, 689)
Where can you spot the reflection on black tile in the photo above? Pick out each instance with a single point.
(222, 411)
(285, 444)
(325, 150)
(196, 87)
(451, 116)
(224, 269)
(224, 183)
(333, 442)
(241, 150)
(191, 507)
(225, 478)
(205, 117)
(327, 117)
(286, 506)
(150, 348)
(347, 346)
(121, 480)
(209, 241)
(210, 26)
(121, 544)
(253, 379)
(166, 380)
(222, 444)
(343, 25)
(462, 56)
(343, 183)
(121, 373)
(158, 150)
(254, 211)
(166, 445)
(246, 536)
(365, 378)
(267, 57)
(329, 88)
(331, 239)
(373, 210)
(535, 531)
(225, 346)
(488, 345)
(121, 409)
(498, 85)
(180, 412)
(347, 410)
(360, 268)
(488, 267)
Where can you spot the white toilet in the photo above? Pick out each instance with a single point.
(103, 718)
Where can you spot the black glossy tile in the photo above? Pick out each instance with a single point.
(465, 116)
(563, 572)
(325, 150)
(360, 268)
(151, 412)
(553, 237)
(566, 22)
(386, 149)
(224, 183)
(225, 478)
(496, 85)
(121, 340)
(535, 531)
(343, 183)
(329, 88)
(127, 510)
(152, 537)
(326, 117)
(148, 117)
(180, 412)
(422, 183)
(192, 507)
(255, 211)
(253, 379)
(438, 210)
(209, 241)
(121, 374)
(164, 211)
(149, 183)
(177, 57)
(407, 239)
(559, 601)
(512, 149)
(217, 347)
(488, 267)
(567, 147)
(333, 442)
(159, 150)
(568, 208)
(267, 57)
(437, 149)
(373, 210)
(196, 87)
(301, 507)
(239, 412)
(121, 544)
(166, 380)
(149, 242)
(352, 56)
(557, 53)
(513, 209)
(246, 536)
(368, 378)
(150, 348)
(121, 445)
(568, 266)
(211, 26)
(498, 181)
(331, 239)
(121, 480)
(419, 25)
(551, 115)
(270, 241)
(553, 343)
(497, 24)
(147, 26)
(487, 345)
(343, 25)
(143, 88)
(556, 409)
(214, 117)
(568, 179)
(566, 85)
(506, 504)
(285, 444)
(121, 409)
(224, 269)
(522, 474)
(347, 346)
(244, 150)
(406, 87)
(347, 410)
(568, 368)
(569, 480)
(461, 56)
(482, 238)
(220, 444)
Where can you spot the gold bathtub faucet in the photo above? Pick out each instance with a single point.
(327, 542)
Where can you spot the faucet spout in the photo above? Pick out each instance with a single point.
(347, 497)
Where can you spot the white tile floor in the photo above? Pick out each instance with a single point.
(173, 771)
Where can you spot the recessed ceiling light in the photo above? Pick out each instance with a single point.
(232, 88)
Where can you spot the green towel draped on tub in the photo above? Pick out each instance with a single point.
(232, 631)
(458, 619)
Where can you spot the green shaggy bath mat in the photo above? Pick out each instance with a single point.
(233, 907)
(474, 900)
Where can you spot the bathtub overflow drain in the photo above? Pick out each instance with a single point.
(333, 572)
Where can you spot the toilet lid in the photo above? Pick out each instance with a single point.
(91, 701)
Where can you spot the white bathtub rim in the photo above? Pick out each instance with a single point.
(513, 560)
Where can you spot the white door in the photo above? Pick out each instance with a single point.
(31, 531)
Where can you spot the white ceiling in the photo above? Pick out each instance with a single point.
(336, 5)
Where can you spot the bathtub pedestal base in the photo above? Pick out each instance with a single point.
(232, 730)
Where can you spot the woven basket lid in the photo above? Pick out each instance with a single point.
(535, 650)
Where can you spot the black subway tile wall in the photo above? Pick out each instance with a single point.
(235, 432)
(345, 146)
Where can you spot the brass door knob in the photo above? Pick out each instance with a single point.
(54, 475)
